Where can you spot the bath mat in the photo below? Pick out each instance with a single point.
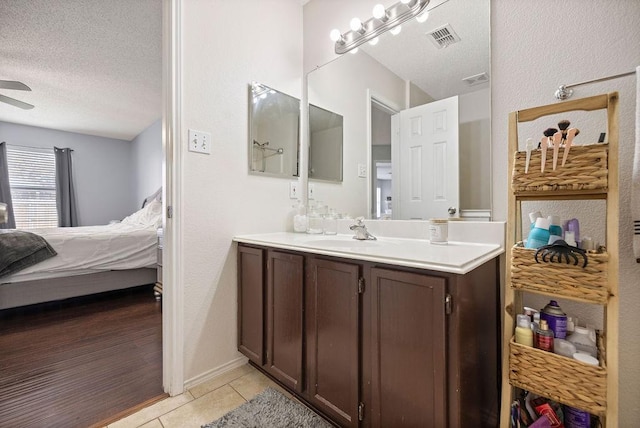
(270, 409)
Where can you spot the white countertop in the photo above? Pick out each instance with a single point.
(454, 257)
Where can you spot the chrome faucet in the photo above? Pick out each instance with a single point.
(361, 231)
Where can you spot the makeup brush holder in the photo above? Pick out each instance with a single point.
(585, 169)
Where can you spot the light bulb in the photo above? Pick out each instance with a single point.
(404, 1)
(379, 11)
(423, 16)
(354, 51)
(355, 24)
(396, 30)
(374, 41)
(335, 35)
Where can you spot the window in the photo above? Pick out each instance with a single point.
(32, 177)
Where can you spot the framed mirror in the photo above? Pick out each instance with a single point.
(446, 57)
(274, 132)
(325, 144)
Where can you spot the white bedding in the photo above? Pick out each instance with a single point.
(130, 244)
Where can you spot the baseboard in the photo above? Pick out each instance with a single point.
(213, 373)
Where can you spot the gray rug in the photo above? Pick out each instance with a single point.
(270, 409)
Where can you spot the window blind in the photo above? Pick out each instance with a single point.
(32, 178)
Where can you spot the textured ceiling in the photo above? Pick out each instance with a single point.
(439, 72)
(94, 66)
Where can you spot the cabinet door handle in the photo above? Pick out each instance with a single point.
(448, 304)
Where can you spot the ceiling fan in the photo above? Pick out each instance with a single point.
(16, 86)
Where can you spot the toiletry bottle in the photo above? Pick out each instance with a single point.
(555, 230)
(569, 238)
(573, 225)
(544, 337)
(524, 334)
(584, 340)
(539, 235)
(578, 418)
(533, 217)
(556, 319)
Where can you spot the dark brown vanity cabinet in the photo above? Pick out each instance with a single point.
(373, 345)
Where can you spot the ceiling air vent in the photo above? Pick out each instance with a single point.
(476, 79)
(443, 36)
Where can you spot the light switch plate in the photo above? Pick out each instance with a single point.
(294, 190)
(199, 142)
(362, 170)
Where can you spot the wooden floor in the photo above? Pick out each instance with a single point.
(79, 363)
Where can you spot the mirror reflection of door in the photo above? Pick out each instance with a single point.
(425, 153)
(381, 171)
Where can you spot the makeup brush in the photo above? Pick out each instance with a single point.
(563, 125)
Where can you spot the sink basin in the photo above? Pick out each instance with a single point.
(343, 243)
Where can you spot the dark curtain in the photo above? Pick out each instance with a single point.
(65, 192)
(5, 189)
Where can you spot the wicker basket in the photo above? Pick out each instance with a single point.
(585, 169)
(559, 378)
(587, 284)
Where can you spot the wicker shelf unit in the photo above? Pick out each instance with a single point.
(591, 172)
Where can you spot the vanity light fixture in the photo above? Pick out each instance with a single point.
(383, 20)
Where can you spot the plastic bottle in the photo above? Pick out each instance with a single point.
(564, 348)
(524, 334)
(544, 337)
(533, 217)
(555, 230)
(578, 418)
(555, 318)
(584, 340)
(539, 235)
(573, 225)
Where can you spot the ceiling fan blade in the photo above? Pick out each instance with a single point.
(13, 84)
(15, 102)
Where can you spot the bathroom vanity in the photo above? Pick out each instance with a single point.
(387, 333)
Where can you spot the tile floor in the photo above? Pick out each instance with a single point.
(202, 403)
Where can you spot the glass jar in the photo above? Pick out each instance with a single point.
(300, 222)
(330, 223)
(314, 222)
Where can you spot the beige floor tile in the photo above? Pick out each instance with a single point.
(203, 410)
(253, 384)
(153, 412)
(210, 385)
(153, 424)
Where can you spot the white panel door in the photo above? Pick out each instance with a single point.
(425, 165)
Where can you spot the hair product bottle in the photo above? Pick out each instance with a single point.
(544, 337)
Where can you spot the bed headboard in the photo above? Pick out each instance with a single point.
(156, 196)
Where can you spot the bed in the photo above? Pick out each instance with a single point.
(89, 260)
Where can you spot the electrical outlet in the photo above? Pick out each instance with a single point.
(362, 170)
(199, 142)
(312, 190)
(294, 192)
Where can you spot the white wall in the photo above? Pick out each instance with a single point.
(146, 156)
(102, 169)
(226, 45)
(530, 58)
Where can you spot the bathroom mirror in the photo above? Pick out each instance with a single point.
(325, 144)
(274, 123)
(444, 57)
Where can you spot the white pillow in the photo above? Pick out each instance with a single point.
(149, 216)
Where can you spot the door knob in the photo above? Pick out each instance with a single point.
(452, 210)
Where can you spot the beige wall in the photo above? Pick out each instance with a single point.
(530, 58)
(226, 45)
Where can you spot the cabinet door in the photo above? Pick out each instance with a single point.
(284, 318)
(251, 303)
(332, 325)
(408, 383)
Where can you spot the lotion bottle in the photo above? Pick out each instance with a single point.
(524, 334)
(539, 235)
